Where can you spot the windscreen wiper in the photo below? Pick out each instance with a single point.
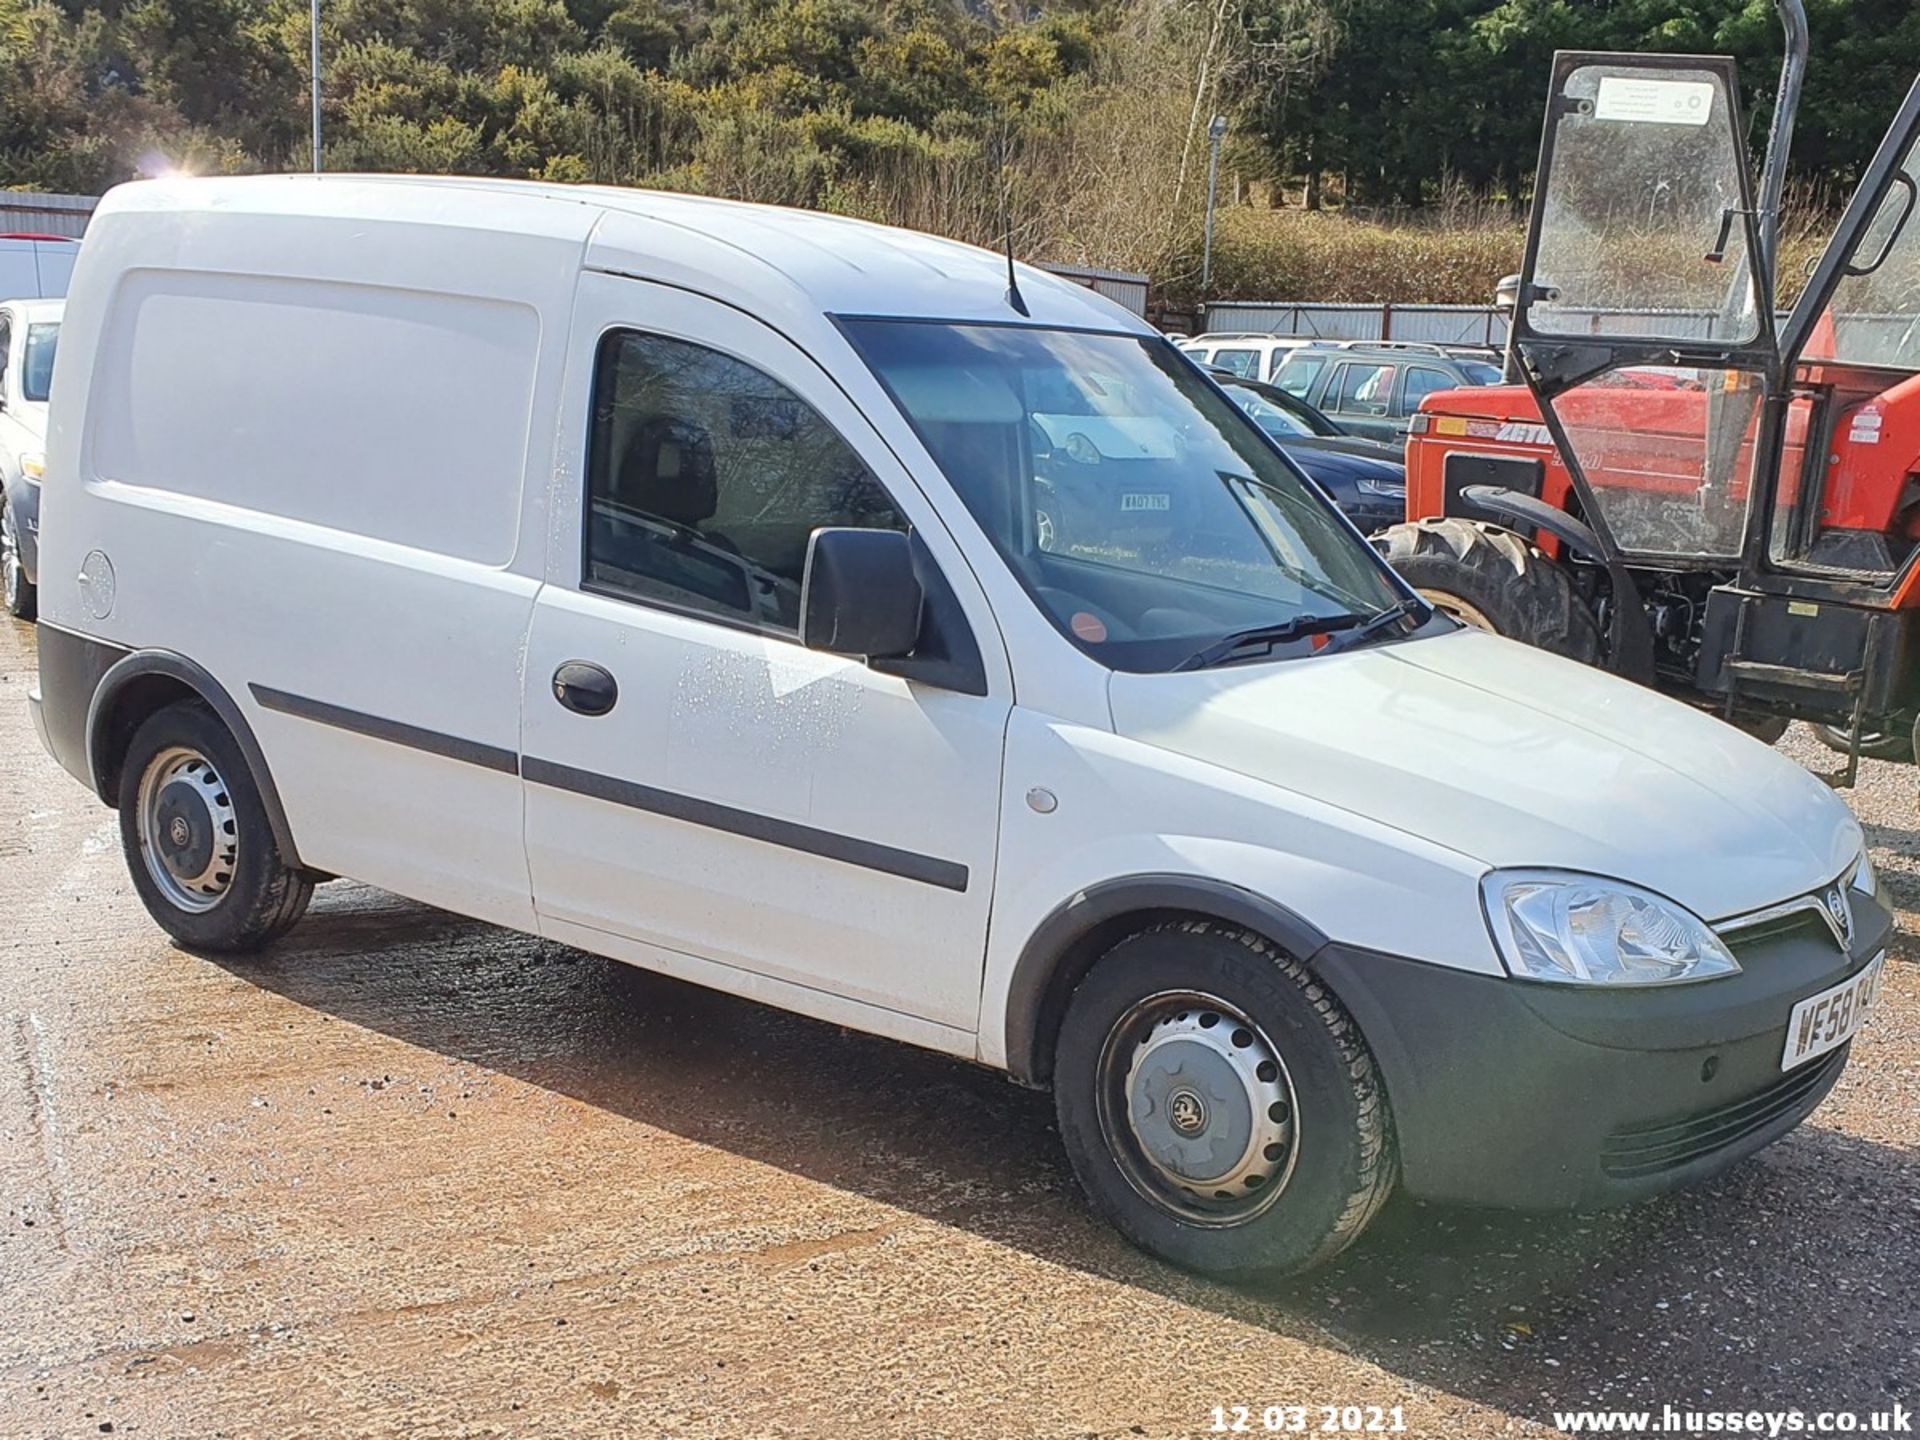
(1267, 636)
(1378, 625)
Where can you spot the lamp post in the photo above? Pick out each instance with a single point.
(316, 87)
(1216, 132)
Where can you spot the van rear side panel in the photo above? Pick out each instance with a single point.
(288, 397)
(314, 452)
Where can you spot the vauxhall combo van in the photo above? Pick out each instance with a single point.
(665, 576)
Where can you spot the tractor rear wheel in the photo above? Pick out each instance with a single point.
(1491, 578)
(1874, 744)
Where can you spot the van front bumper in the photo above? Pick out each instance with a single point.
(1536, 1096)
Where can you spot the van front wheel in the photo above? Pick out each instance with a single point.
(197, 839)
(1219, 1104)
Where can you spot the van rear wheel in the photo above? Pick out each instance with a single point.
(1494, 580)
(1219, 1105)
(196, 836)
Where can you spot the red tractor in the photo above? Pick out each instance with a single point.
(1687, 488)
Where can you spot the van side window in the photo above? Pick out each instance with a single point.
(6, 348)
(707, 477)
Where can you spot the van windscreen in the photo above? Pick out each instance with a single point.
(1142, 510)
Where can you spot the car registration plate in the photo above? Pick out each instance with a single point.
(1828, 1020)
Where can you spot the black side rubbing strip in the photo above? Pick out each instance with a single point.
(907, 864)
(472, 752)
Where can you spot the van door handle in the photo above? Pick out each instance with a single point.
(585, 688)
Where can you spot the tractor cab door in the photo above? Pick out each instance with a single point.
(1644, 321)
(1847, 508)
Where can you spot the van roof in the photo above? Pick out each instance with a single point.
(765, 258)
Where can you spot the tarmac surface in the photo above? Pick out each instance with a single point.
(412, 1175)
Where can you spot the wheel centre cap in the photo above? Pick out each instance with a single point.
(1190, 1110)
(1186, 1112)
(185, 831)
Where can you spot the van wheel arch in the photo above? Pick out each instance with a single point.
(1066, 945)
(147, 681)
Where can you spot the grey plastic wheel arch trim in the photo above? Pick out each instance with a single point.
(1071, 922)
(143, 663)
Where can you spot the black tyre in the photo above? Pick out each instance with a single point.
(1874, 745)
(1490, 577)
(16, 591)
(1219, 1104)
(196, 836)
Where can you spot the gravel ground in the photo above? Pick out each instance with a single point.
(409, 1175)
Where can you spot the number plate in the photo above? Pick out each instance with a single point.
(1828, 1020)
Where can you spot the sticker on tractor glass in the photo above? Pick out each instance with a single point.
(1141, 501)
(1654, 102)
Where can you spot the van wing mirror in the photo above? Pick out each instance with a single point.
(859, 594)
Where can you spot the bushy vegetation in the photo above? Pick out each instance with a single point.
(1443, 257)
(1079, 125)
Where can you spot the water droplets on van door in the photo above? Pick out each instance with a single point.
(753, 720)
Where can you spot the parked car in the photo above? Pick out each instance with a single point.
(1374, 388)
(1366, 478)
(29, 332)
(404, 532)
(1255, 356)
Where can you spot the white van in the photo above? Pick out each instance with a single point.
(662, 575)
(1250, 356)
(29, 336)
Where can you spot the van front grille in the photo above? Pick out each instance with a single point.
(1635, 1151)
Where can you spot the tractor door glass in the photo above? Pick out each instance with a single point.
(1668, 452)
(1849, 496)
(1640, 228)
(1873, 316)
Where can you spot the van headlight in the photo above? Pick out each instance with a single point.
(1584, 930)
(1863, 878)
(33, 466)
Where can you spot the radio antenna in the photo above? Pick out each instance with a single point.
(1014, 297)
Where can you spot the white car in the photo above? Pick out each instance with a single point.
(1250, 356)
(661, 575)
(29, 335)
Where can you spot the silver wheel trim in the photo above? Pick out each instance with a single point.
(10, 557)
(182, 774)
(1141, 1045)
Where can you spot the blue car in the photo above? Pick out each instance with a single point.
(1366, 478)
